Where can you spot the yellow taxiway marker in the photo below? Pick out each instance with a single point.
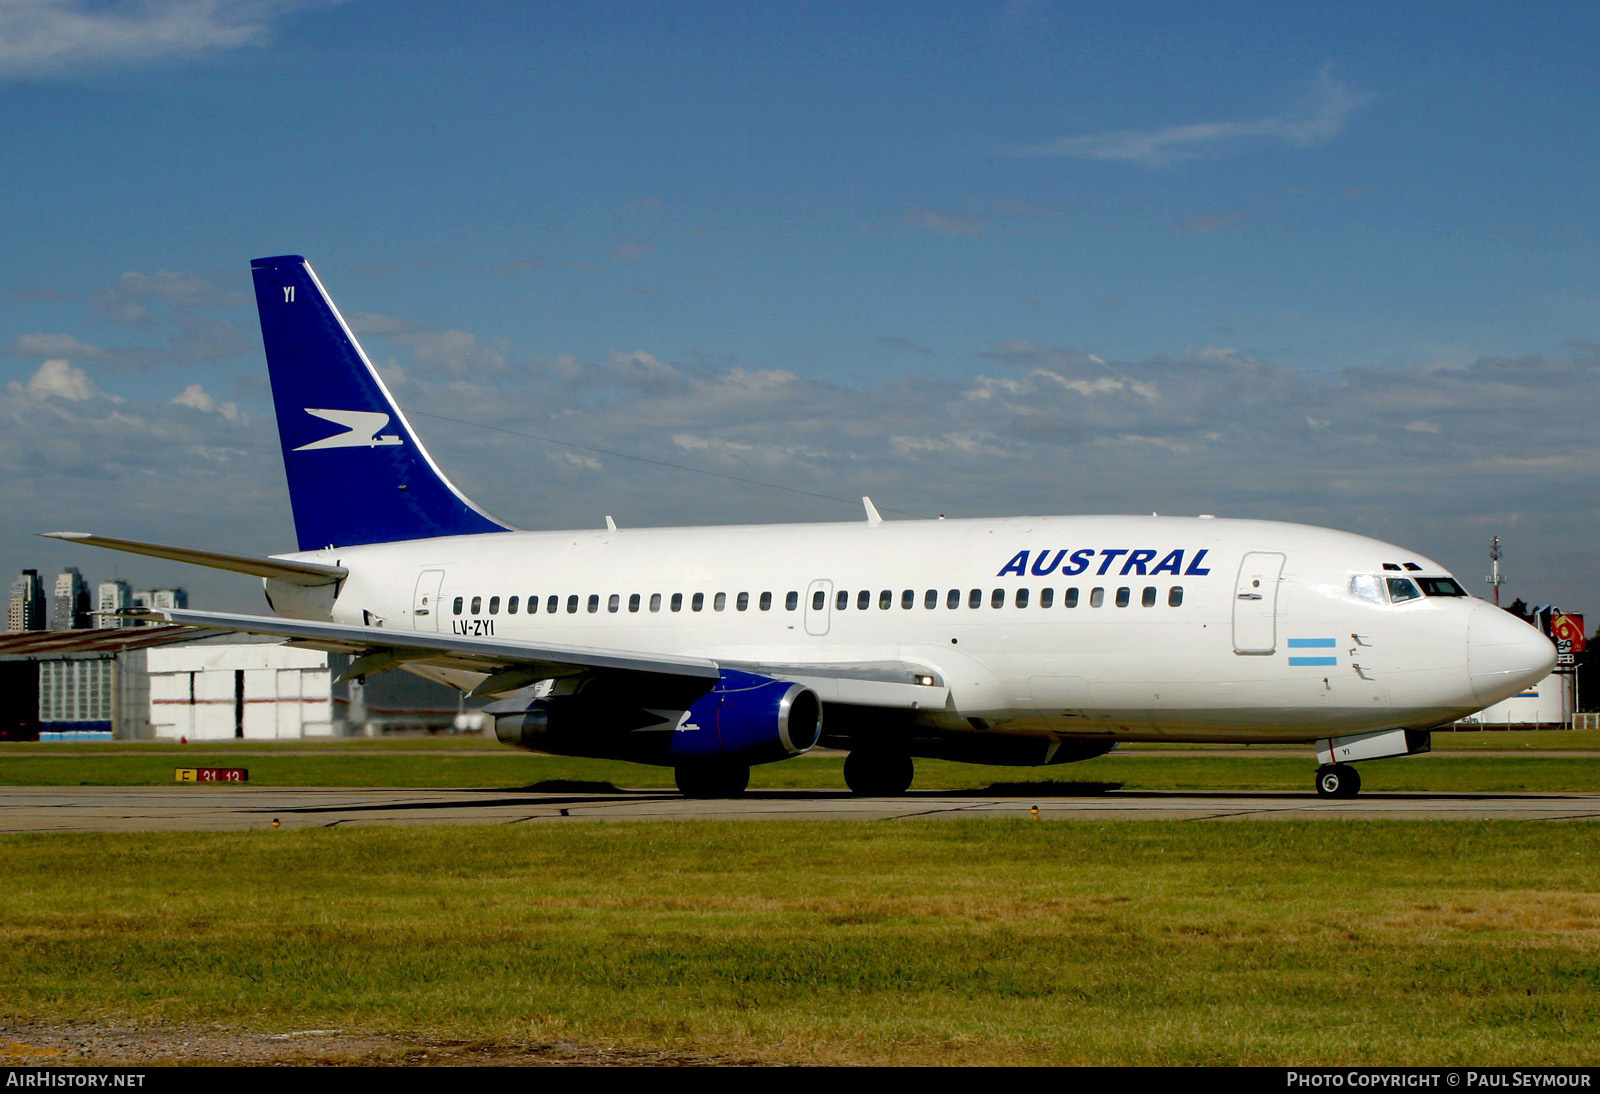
(211, 775)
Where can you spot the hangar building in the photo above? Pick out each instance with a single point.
(171, 682)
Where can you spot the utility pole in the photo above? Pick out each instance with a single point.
(1496, 579)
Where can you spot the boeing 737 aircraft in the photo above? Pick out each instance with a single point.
(1018, 641)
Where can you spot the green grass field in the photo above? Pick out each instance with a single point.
(1457, 765)
(977, 942)
(980, 941)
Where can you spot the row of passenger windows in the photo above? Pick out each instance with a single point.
(885, 599)
(552, 604)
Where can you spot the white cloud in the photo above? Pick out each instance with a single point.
(179, 290)
(456, 352)
(1086, 388)
(372, 323)
(452, 352)
(43, 37)
(180, 319)
(1318, 118)
(42, 344)
(965, 444)
(771, 381)
(1038, 428)
(60, 379)
(196, 397)
(908, 346)
(944, 222)
(693, 442)
(631, 250)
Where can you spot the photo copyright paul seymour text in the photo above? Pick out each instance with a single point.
(1466, 1078)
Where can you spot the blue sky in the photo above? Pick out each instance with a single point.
(1330, 263)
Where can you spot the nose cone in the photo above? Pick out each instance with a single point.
(1504, 654)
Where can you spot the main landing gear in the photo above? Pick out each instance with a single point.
(1337, 781)
(878, 774)
(712, 780)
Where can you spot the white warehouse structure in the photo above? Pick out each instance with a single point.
(142, 682)
(207, 691)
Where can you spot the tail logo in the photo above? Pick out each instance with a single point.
(361, 430)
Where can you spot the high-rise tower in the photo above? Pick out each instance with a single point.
(69, 608)
(27, 603)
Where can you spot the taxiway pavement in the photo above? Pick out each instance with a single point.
(206, 807)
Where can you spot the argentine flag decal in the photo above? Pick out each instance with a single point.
(1312, 643)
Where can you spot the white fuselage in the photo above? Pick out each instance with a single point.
(1135, 628)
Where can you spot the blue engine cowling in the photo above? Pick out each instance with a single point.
(745, 717)
(750, 718)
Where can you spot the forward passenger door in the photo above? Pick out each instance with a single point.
(1255, 603)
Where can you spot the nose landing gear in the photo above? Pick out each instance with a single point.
(1339, 780)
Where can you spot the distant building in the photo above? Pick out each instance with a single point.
(69, 607)
(1545, 705)
(113, 596)
(91, 682)
(240, 688)
(170, 682)
(247, 688)
(159, 598)
(27, 603)
(169, 598)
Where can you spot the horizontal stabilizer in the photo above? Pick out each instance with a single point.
(295, 573)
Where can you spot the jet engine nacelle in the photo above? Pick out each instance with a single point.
(745, 717)
(751, 718)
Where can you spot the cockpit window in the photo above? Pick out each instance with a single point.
(1440, 586)
(1368, 587)
(1402, 588)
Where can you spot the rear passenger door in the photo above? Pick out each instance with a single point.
(425, 609)
(819, 603)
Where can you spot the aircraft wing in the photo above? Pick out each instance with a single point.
(510, 665)
(901, 685)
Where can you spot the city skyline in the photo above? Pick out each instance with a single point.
(30, 604)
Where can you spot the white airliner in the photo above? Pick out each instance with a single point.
(1016, 641)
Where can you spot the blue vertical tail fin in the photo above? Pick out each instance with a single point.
(357, 473)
